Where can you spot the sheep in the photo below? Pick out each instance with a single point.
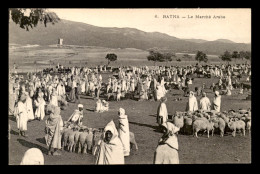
(178, 121)
(242, 111)
(248, 126)
(88, 142)
(85, 141)
(65, 137)
(220, 124)
(76, 140)
(82, 139)
(237, 125)
(202, 124)
(71, 140)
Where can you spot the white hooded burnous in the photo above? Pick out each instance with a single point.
(124, 131)
(33, 156)
(111, 152)
(217, 102)
(192, 104)
(167, 149)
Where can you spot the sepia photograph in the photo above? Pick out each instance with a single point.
(123, 86)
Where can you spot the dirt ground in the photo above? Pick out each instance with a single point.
(142, 121)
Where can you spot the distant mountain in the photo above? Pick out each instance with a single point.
(196, 40)
(224, 41)
(77, 33)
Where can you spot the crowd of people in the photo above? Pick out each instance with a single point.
(33, 96)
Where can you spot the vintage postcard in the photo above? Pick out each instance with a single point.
(129, 86)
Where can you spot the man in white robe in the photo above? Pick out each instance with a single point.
(205, 102)
(77, 115)
(110, 148)
(29, 107)
(21, 114)
(192, 104)
(124, 131)
(40, 104)
(54, 98)
(159, 92)
(61, 89)
(98, 107)
(167, 149)
(217, 101)
(162, 113)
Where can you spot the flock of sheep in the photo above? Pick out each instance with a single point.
(81, 139)
(231, 121)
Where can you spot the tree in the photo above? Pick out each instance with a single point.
(248, 55)
(155, 55)
(30, 17)
(159, 56)
(201, 57)
(226, 56)
(242, 54)
(111, 57)
(235, 55)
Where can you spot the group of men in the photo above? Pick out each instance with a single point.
(29, 97)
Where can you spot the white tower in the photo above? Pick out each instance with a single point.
(60, 41)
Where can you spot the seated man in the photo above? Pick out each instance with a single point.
(98, 107)
(105, 105)
(77, 116)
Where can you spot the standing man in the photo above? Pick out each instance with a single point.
(53, 130)
(205, 102)
(21, 114)
(192, 104)
(124, 131)
(109, 149)
(217, 101)
(167, 149)
(162, 113)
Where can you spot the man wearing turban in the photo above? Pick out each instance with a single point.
(77, 115)
(205, 102)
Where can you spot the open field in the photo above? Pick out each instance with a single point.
(25, 56)
(142, 121)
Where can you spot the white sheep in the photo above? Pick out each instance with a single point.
(220, 124)
(248, 126)
(202, 124)
(178, 121)
(237, 125)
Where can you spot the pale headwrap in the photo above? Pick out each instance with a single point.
(172, 128)
(23, 97)
(33, 156)
(121, 112)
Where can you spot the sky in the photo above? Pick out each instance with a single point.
(233, 24)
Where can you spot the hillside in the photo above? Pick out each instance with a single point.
(76, 33)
